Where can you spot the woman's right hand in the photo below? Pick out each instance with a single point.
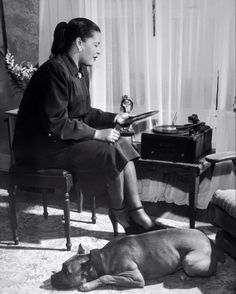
(107, 135)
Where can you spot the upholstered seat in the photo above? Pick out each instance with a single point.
(226, 199)
(222, 210)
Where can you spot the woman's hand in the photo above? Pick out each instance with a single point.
(107, 135)
(122, 117)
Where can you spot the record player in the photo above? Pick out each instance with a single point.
(178, 143)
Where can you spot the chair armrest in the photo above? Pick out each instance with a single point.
(221, 156)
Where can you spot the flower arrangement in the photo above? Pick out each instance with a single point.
(20, 73)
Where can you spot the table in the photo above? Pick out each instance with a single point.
(190, 172)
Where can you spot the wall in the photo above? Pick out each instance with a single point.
(22, 26)
(22, 22)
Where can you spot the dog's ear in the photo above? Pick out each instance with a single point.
(81, 249)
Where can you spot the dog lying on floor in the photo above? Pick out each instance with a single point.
(134, 259)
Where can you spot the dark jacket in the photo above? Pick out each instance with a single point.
(56, 110)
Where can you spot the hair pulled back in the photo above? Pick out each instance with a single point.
(66, 33)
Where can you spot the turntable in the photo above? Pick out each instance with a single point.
(178, 143)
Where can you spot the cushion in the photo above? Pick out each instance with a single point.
(24, 170)
(221, 218)
(226, 199)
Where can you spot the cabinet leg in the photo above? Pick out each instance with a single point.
(193, 196)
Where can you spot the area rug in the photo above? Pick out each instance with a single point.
(27, 267)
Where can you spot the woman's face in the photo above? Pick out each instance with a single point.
(90, 49)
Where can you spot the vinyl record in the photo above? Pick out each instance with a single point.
(141, 116)
(166, 129)
(170, 129)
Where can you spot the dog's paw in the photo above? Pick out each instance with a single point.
(183, 277)
(84, 287)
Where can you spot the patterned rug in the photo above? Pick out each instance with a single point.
(26, 268)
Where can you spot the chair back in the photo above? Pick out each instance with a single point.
(11, 120)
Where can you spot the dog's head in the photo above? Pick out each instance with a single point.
(75, 271)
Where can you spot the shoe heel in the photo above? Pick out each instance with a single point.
(114, 223)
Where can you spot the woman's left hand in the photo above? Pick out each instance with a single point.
(122, 117)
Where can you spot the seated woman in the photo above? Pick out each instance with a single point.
(56, 126)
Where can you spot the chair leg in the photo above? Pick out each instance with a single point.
(80, 197)
(94, 209)
(45, 203)
(12, 213)
(67, 220)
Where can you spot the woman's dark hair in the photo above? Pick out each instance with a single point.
(66, 33)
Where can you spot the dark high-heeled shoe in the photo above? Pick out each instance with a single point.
(137, 228)
(118, 215)
(114, 222)
(132, 229)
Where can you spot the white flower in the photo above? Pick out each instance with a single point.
(19, 72)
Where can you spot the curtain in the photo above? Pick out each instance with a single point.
(176, 56)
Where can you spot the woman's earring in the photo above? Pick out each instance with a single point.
(78, 43)
(79, 48)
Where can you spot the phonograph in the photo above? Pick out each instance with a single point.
(178, 143)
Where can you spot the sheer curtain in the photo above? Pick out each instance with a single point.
(170, 55)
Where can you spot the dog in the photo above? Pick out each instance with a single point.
(130, 261)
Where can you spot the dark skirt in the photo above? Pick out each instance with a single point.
(107, 159)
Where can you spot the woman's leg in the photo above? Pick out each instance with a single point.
(110, 159)
(132, 197)
(116, 196)
(123, 191)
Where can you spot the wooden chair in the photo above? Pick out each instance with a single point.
(42, 179)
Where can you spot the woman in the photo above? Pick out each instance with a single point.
(56, 126)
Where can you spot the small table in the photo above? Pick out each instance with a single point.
(189, 171)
